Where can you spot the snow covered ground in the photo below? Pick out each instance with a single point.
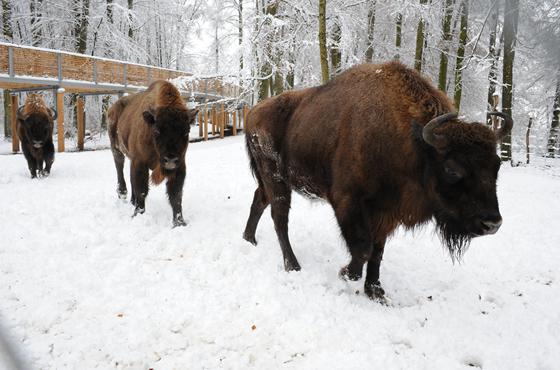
(83, 285)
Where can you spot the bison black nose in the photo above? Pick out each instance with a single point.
(489, 223)
(170, 163)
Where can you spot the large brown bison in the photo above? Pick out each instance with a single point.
(385, 148)
(152, 129)
(35, 129)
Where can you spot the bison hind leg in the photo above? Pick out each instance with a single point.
(260, 202)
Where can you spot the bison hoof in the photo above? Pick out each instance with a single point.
(346, 274)
(250, 238)
(291, 265)
(374, 291)
(44, 173)
(122, 194)
(138, 211)
(179, 222)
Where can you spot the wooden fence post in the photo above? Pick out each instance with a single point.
(213, 118)
(81, 123)
(223, 121)
(15, 137)
(245, 111)
(205, 122)
(60, 118)
(200, 120)
(234, 123)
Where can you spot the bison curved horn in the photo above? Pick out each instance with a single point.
(54, 113)
(435, 140)
(19, 113)
(505, 127)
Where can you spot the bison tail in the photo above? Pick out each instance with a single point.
(252, 160)
(157, 176)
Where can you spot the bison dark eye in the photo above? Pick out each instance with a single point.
(452, 175)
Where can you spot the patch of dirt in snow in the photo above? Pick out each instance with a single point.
(86, 286)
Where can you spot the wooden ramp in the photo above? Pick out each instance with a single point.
(24, 68)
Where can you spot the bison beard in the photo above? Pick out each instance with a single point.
(453, 235)
(353, 142)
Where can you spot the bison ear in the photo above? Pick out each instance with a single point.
(192, 115)
(149, 117)
(20, 116)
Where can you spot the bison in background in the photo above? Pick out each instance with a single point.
(152, 129)
(385, 148)
(35, 129)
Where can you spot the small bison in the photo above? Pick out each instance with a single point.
(35, 129)
(385, 148)
(152, 129)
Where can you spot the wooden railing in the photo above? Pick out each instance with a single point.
(24, 66)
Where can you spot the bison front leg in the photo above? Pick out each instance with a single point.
(352, 221)
(118, 158)
(372, 286)
(48, 153)
(175, 195)
(139, 177)
(31, 161)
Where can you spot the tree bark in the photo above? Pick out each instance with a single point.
(448, 14)
(555, 124)
(527, 135)
(511, 16)
(81, 28)
(35, 7)
(323, 40)
(493, 55)
(420, 36)
(240, 38)
(398, 37)
(8, 35)
(370, 29)
(464, 11)
(336, 53)
(130, 28)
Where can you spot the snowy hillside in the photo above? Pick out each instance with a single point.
(84, 286)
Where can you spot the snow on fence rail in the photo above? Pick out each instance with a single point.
(25, 68)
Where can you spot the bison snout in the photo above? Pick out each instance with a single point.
(489, 223)
(170, 163)
(37, 143)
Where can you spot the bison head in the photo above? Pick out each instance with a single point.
(170, 132)
(37, 124)
(461, 174)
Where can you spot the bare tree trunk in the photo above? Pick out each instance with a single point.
(511, 16)
(493, 55)
(130, 28)
(35, 7)
(527, 135)
(106, 100)
(448, 14)
(398, 37)
(81, 8)
(464, 11)
(420, 41)
(323, 40)
(336, 53)
(266, 87)
(371, 27)
(8, 36)
(240, 38)
(555, 124)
